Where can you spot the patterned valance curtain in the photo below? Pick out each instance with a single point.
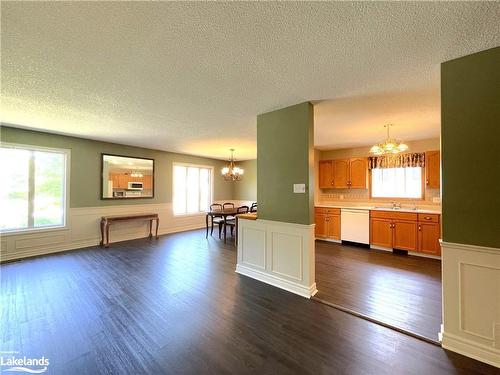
(414, 159)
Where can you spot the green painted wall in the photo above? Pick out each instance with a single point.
(85, 170)
(246, 189)
(470, 134)
(285, 156)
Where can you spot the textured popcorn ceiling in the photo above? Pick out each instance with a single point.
(191, 77)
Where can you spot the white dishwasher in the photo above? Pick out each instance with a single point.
(355, 225)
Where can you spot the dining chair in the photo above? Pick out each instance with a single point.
(253, 207)
(216, 219)
(227, 205)
(232, 222)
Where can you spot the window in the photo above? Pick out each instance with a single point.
(33, 188)
(397, 182)
(192, 189)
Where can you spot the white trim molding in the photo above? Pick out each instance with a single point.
(83, 230)
(277, 253)
(471, 301)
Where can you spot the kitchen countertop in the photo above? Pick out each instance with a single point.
(377, 208)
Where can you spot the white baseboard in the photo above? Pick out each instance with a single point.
(277, 281)
(83, 230)
(471, 349)
(89, 243)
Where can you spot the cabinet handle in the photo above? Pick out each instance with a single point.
(428, 218)
(332, 182)
(427, 181)
(419, 228)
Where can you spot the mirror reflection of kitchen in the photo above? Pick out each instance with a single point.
(126, 177)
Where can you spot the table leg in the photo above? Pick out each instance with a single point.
(206, 223)
(224, 222)
(151, 228)
(157, 225)
(102, 233)
(107, 234)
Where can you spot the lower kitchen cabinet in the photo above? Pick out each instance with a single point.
(327, 223)
(404, 235)
(406, 231)
(428, 238)
(380, 232)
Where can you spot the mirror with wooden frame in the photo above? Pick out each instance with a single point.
(125, 177)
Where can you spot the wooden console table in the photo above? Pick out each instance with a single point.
(106, 221)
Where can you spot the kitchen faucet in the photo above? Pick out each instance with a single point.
(396, 205)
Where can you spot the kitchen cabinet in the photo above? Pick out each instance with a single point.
(404, 235)
(406, 231)
(358, 168)
(327, 223)
(320, 228)
(148, 182)
(429, 232)
(432, 169)
(343, 173)
(326, 174)
(380, 232)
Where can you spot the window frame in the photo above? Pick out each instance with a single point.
(421, 198)
(212, 177)
(66, 191)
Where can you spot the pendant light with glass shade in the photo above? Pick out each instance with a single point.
(389, 146)
(232, 172)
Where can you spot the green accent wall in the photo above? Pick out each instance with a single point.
(470, 134)
(246, 189)
(285, 156)
(85, 169)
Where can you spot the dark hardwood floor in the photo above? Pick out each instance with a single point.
(176, 306)
(399, 290)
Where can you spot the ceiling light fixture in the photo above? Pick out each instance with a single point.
(232, 172)
(389, 145)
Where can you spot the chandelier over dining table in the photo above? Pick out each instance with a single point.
(232, 172)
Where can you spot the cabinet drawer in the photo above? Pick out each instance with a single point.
(325, 210)
(394, 215)
(428, 218)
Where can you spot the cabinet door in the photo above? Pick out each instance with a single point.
(115, 177)
(325, 174)
(404, 235)
(320, 221)
(333, 227)
(432, 169)
(358, 171)
(428, 238)
(123, 180)
(381, 232)
(341, 173)
(148, 182)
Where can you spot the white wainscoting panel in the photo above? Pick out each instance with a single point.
(471, 301)
(277, 253)
(83, 230)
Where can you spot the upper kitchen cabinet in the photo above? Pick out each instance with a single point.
(358, 169)
(432, 169)
(326, 174)
(343, 173)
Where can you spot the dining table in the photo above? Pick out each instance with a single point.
(224, 213)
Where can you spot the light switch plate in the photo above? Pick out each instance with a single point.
(299, 188)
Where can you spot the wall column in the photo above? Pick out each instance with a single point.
(470, 130)
(278, 248)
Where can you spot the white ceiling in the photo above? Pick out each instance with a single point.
(191, 77)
